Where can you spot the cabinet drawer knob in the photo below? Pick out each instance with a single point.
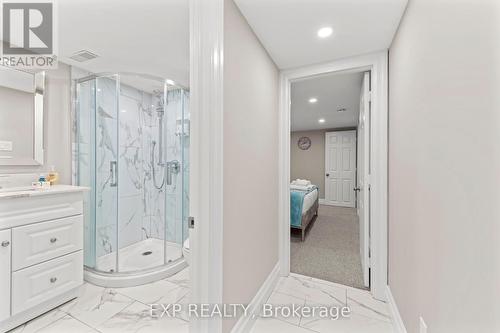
(53, 280)
(53, 240)
(5, 243)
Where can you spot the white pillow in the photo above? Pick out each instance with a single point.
(302, 182)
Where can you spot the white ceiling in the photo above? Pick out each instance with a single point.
(287, 28)
(147, 36)
(333, 91)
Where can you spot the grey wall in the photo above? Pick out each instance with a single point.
(57, 126)
(309, 164)
(444, 166)
(251, 87)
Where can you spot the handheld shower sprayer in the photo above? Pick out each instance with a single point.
(160, 111)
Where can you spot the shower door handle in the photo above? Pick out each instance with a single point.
(112, 170)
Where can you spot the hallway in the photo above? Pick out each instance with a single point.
(367, 314)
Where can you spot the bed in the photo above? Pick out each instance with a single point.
(304, 205)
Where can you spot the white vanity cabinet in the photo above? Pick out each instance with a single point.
(41, 251)
(5, 272)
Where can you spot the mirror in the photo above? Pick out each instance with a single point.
(21, 117)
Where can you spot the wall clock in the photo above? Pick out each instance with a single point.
(304, 143)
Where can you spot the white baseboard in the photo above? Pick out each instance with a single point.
(398, 321)
(245, 323)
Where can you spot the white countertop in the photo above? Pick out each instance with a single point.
(54, 189)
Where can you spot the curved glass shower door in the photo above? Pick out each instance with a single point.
(131, 150)
(98, 168)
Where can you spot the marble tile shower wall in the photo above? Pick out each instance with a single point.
(128, 137)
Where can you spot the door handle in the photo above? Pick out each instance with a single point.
(328, 175)
(356, 189)
(112, 170)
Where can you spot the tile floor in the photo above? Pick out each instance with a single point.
(367, 314)
(118, 310)
(124, 310)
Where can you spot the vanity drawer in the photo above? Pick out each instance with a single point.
(36, 284)
(35, 243)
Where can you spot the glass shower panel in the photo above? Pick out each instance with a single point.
(106, 172)
(186, 125)
(85, 139)
(174, 159)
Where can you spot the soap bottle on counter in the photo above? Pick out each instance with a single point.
(44, 183)
(53, 176)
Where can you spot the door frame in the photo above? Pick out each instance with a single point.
(377, 64)
(363, 155)
(332, 203)
(206, 21)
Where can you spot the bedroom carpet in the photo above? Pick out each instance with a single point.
(330, 250)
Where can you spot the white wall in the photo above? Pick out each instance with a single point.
(250, 161)
(444, 166)
(57, 126)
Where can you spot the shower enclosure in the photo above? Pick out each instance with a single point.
(131, 149)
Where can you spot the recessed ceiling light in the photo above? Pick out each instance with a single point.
(321, 120)
(313, 100)
(325, 32)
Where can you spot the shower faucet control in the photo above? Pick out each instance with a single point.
(173, 167)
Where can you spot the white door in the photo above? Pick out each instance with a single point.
(5, 268)
(363, 194)
(340, 168)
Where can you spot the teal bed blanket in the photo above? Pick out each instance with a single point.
(296, 204)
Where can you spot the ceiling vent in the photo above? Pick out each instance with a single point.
(342, 110)
(83, 55)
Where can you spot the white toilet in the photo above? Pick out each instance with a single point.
(185, 250)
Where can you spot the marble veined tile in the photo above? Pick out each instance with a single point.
(269, 325)
(130, 180)
(66, 324)
(174, 296)
(137, 318)
(295, 286)
(96, 304)
(130, 122)
(184, 302)
(366, 313)
(39, 322)
(149, 293)
(327, 295)
(361, 302)
(278, 299)
(130, 227)
(105, 240)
